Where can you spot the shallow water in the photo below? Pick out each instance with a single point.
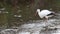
(52, 26)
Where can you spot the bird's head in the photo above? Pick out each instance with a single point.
(37, 11)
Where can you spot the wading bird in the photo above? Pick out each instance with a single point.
(45, 14)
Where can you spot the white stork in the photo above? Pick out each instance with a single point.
(45, 14)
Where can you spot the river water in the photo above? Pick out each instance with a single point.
(52, 26)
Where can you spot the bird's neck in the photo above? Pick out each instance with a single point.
(38, 12)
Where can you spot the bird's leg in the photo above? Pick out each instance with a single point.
(46, 17)
(46, 24)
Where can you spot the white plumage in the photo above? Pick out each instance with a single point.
(45, 13)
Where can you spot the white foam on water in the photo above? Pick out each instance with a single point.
(24, 33)
(28, 25)
(55, 33)
(38, 25)
(36, 28)
(36, 32)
